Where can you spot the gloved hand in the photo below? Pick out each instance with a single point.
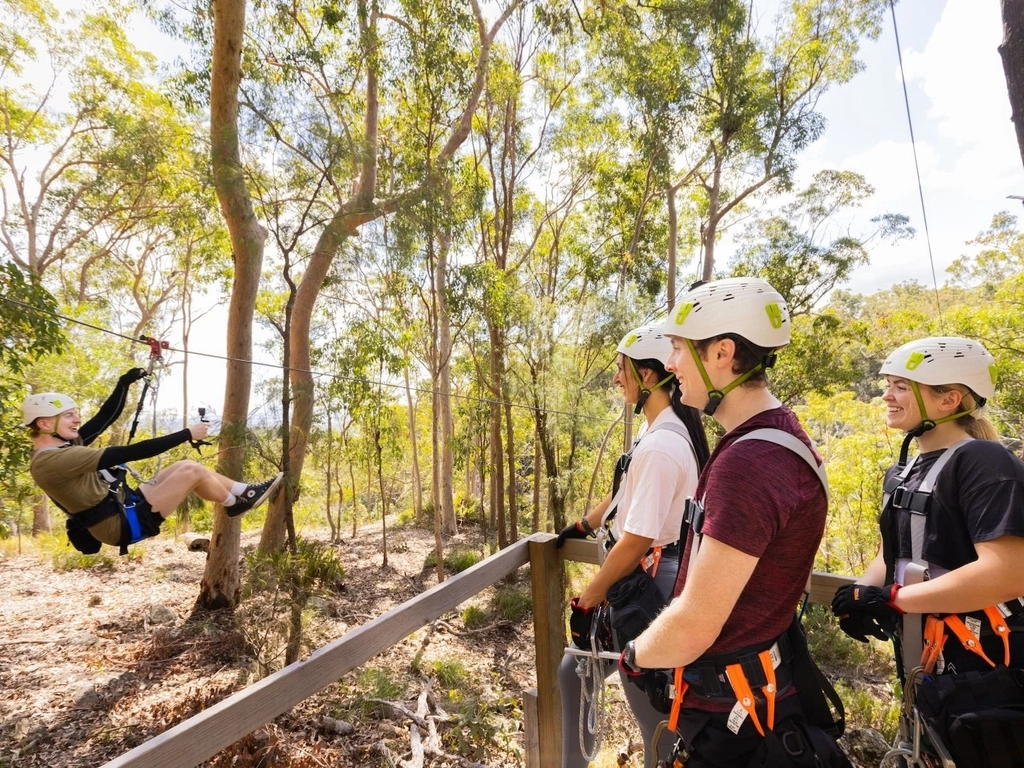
(627, 661)
(132, 375)
(876, 602)
(859, 625)
(575, 531)
(580, 622)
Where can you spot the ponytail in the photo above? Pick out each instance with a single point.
(974, 423)
(691, 419)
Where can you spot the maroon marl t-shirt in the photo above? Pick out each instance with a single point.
(765, 501)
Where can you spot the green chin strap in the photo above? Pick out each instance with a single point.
(715, 395)
(644, 391)
(926, 423)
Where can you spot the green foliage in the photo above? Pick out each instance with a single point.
(450, 673)
(275, 591)
(474, 617)
(857, 449)
(378, 683)
(455, 561)
(512, 603)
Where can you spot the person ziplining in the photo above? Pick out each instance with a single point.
(89, 484)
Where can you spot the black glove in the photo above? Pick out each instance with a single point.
(859, 625)
(132, 375)
(580, 622)
(859, 599)
(577, 530)
(627, 661)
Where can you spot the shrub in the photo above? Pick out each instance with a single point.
(450, 673)
(512, 603)
(474, 617)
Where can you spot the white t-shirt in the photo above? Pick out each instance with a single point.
(662, 475)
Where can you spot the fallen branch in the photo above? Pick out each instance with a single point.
(393, 707)
(463, 632)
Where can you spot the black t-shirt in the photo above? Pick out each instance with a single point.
(978, 496)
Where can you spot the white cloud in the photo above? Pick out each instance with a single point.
(961, 73)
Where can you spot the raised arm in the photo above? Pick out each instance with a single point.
(111, 409)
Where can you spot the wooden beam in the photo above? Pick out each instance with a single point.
(204, 735)
(823, 585)
(546, 576)
(531, 729)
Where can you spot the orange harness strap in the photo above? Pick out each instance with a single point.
(934, 640)
(1001, 628)
(769, 688)
(655, 558)
(970, 641)
(745, 696)
(677, 703)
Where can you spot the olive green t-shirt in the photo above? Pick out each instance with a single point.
(70, 477)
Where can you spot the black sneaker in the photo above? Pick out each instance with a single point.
(254, 495)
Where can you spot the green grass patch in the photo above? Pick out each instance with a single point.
(512, 603)
(474, 617)
(455, 561)
(450, 673)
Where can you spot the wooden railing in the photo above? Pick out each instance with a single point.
(204, 735)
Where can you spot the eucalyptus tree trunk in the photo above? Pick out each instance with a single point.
(510, 455)
(1012, 52)
(497, 461)
(443, 414)
(219, 588)
(417, 480)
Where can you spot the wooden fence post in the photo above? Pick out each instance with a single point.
(549, 636)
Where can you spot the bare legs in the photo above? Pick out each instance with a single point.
(171, 485)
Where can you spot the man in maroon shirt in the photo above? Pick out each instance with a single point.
(743, 574)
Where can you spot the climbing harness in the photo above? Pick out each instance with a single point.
(922, 640)
(768, 669)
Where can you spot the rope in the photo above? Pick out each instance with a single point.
(312, 372)
(591, 669)
(917, 167)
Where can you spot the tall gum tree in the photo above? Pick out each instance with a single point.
(220, 584)
(349, 163)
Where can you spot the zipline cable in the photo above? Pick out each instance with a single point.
(323, 374)
(917, 167)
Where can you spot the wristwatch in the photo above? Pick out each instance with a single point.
(586, 525)
(629, 658)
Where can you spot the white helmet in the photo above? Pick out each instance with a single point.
(940, 360)
(45, 404)
(646, 343)
(746, 306)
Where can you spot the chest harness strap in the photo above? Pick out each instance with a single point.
(693, 516)
(924, 638)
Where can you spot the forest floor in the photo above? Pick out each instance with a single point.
(94, 661)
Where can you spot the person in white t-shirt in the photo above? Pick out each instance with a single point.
(645, 510)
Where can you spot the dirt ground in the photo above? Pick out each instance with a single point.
(95, 661)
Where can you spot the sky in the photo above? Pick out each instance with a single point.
(966, 148)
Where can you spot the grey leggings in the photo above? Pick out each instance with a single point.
(646, 715)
